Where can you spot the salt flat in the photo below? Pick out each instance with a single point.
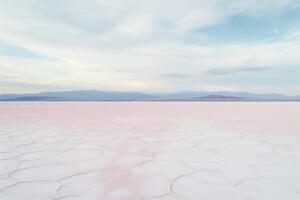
(139, 151)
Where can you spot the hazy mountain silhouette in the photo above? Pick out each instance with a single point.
(218, 97)
(94, 95)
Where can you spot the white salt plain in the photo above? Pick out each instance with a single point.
(137, 151)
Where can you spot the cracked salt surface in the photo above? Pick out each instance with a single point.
(140, 151)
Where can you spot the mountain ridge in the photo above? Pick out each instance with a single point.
(98, 95)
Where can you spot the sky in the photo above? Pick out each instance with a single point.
(150, 45)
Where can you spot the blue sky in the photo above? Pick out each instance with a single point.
(151, 46)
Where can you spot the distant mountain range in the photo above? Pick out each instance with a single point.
(94, 95)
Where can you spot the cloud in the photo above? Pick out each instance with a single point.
(233, 70)
(176, 75)
(293, 34)
(134, 45)
(19, 52)
(23, 87)
(16, 84)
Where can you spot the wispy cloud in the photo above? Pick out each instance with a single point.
(176, 75)
(16, 86)
(15, 51)
(139, 45)
(234, 70)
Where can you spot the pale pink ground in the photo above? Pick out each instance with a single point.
(139, 133)
(279, 117)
